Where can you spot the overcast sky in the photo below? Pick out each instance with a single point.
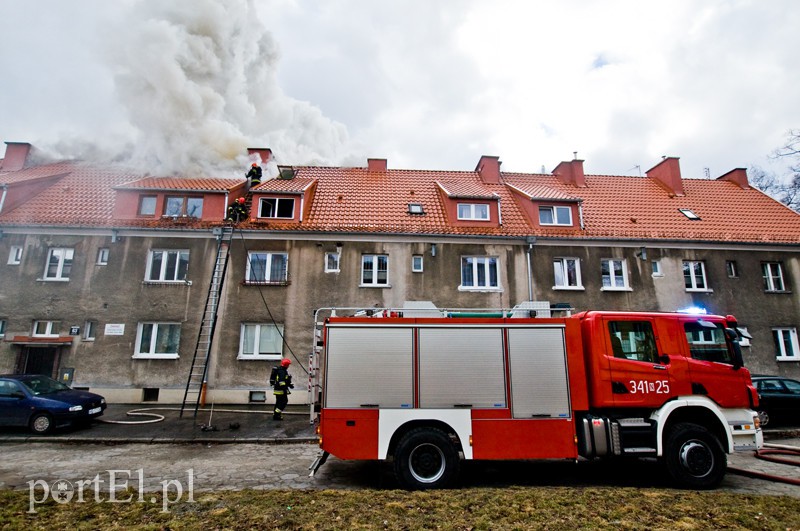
(426, 84)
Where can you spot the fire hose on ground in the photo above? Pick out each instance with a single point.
(155, 417)
(770, 453)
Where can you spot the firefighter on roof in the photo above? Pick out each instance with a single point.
(254, 174)
(237, 211)
(281, 382)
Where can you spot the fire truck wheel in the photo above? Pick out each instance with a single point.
(425, 459)
(694, 457)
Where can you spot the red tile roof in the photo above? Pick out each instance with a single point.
(184, 184)
(295, 185)
(465, 188)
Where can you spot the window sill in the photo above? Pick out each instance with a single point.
(688, 290)
(261, 357)
(333, 271)
(52, 280)
(605, 288)
(167, 282)
(155, 356)
(777, 292)
(787, 358)
(374, 285)
(481, 289)
(568, 288)
(265, 283)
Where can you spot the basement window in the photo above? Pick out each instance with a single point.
(150, 394)
(689, 214)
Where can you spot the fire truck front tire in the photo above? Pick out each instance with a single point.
(425, 458)
(694, 457)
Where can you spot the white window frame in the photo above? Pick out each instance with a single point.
(62, 254)
(163, 267)
(772, 272)
(781, 335)
(151, 354)
(693, 276)
(183, 210)
(279, 328)
(481, 267)
(51, 328)
(249, 276)
(102, 256)
(89, 330)
(560, 267)
(336, 259)
(656, 267)
(374, 270)
(612, 275)
(689, 214)
(15, 255)
(147, 205)
(3, 324)
(473, 211)
(416, 263)
(732, 268)
(554, 210)
(262, 201)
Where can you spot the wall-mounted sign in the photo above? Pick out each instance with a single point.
(74, 330)
(114, 329)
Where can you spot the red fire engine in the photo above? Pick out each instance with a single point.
(427, 392)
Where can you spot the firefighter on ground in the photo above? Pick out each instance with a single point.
(254, 174)
(281, 382)
(237, 211)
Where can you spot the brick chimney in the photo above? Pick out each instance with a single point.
(571, 172)
(376, 165)
(738, 176)
(488, 169)
(16, 155)
(264, 154)
(668, 174)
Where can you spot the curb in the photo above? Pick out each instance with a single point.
(159, 440)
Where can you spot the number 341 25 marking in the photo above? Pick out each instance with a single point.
(659, 387)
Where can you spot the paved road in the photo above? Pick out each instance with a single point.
(278, 466)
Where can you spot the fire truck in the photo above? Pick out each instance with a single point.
(427, 392)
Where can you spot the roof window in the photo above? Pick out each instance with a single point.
(415, 208)
(689, 214)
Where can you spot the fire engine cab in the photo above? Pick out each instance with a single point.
(428, 392)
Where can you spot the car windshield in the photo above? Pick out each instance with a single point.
(42, 385)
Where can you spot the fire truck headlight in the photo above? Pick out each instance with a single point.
(757, 421)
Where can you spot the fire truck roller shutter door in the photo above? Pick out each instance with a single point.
(539, 385)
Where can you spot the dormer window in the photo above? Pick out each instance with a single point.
(184, 206)
(276, 207)
(147, 205)
(473, 211)
(555, 215)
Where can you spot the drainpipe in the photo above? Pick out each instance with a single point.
(530, 240)
(580, 214)
(3, 197)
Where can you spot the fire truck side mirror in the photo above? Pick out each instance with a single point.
(733, 339)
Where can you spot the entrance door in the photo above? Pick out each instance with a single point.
(39, 360)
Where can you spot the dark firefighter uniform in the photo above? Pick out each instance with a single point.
(237, 211)
(254, 174)
(281, 382)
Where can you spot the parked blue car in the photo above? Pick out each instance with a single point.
(43, 404)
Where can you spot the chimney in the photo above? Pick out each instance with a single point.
(738, 176)
(488, 169)
(376, 165)
(668, 174)
(571, 172)
(263, 154)
(16, 155)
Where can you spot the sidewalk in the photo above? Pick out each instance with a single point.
(225, 424)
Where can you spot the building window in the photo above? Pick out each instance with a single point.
(147, 205)
(731, 268)
(416, 209)
(59, 264)
(2, 327)
(567, 273)
(158, 340)
(615, 274)
(46, 328)
(263, 341)
(694, 276)
(184, 206)
(102, 256)
(773, 276)
(267, 268)
(15, 255)
(167, 266)
(656, 265)
(689, 214)
(332, 262)
(276, 207)
(416, 263)
(375, 270)
(479, 272)
(89, 330)
(473, 211)
(555, 215)
(786, 344)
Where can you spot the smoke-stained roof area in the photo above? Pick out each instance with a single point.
(182, 85)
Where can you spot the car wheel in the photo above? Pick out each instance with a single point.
(41, 423)
(425, 459)
(764, 417)
(694, 457)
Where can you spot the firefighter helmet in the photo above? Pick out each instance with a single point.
(255, 165)
(286, 362)
(240, 200)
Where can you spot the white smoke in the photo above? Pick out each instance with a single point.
(198, 80)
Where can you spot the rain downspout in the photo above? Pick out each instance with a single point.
(530, 240)
(3, 197)
(580, 214)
